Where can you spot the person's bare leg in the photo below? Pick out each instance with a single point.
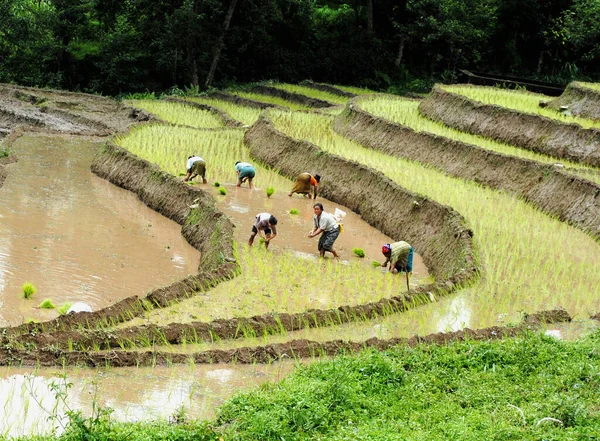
(250, 184)
(204, 181)
(335, 254)
(251, 240)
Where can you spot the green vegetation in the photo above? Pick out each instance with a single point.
(47, 304)
(312, 93)
(522, 101)
(246, 115)
(222, 191)
(507, 246)
(375, 264)
(511, 390)
(28, 290)
(270, 191)
(355, 90)
(358, 252)
(272, 100)
(406, 112)
(593, 86)
(294, 211)
(217, 184)
(179, 114)
(62, 309)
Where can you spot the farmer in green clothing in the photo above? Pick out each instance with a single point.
(399, 256)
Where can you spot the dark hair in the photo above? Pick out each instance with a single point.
(318, 178)
(320, 205)
(190, 157)
(237, 162)
(273, 220)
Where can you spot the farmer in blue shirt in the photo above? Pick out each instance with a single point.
(245, 172)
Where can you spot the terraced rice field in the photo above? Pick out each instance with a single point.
(245, 115)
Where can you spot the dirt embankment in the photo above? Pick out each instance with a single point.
(438, 232)
(531, 132)
(580, 100)
(227, 120)
(328, 88)
(244, 101)
(571, 199)
(263, 354)
(293, 97)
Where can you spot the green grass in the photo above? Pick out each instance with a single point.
(28, 290)
(517, 244)
(406, 112)
(271, 100)
(355, 90)
(521, 101)
(469, 391)
(312, 93)
(593, 86)
(180, 114)
(246, 115)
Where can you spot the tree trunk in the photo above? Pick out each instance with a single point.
(400, 53)
(219, 45)
(370, 15)
(540, 62)
(175, 66)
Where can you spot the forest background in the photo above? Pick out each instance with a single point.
(122, 46)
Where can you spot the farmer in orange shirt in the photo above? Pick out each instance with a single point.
(305, 182)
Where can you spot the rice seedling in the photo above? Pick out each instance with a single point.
(28, 290)
(375, 264)
(519, 100)
(593, 86)
(358, 252)
(62, 309)
(217, 184)
(243, 114)
(312, 93)
(294, 211)
(179, 114)
(406, 112)
(355, 90)
(270, 191)
(272, 100)
(47, 304)
(222, 191)
(522, 269)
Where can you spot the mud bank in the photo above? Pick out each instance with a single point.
(243, 101)
(580, 100)
(438, 232)
(227, 120)
(328, 88)
(293, 97)
(571, 199)
(264, 354)
(531, 132)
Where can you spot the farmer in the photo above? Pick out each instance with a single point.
(399, 255)
(326, 225)
(266, 223)
(245, 172)
(305, 182)
(195, 167)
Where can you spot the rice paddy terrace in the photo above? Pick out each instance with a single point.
(504, 215)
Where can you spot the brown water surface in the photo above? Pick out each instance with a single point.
(75, 236)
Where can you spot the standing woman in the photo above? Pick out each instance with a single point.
(305, 182)
(327, 226)
(245, 172)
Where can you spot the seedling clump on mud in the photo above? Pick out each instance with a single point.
(375, 264)
(270, 191)
(28, 290)
(359, 252)
(222, 191)
(47, 304)
(62, 309)
(294, 211)
(217, 184)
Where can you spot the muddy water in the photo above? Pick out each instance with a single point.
(135, 394)
(77, 237)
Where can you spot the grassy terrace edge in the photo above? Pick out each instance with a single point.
(532, 132)
(560, 194)
(290, 96)
(581, 100)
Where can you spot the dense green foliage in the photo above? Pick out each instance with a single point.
(500, 390)
(118, 46)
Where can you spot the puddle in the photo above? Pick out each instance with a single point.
(135, 394)
(75, 236)
(573, 330)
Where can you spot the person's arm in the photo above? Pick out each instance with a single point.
(316, 191)
(315, 232)
(273, 234)
(387, 260)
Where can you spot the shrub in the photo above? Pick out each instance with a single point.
(28, 290)
(359, 252)
(222, 191)
(47, 304)
(270, 191)
(293, 211)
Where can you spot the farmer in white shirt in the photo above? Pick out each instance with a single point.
(195, 167)
(266, 223)
(326, 225)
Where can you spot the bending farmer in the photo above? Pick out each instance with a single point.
(266, 223)
(327, 226)
(400, 257)
(305, 182)
(245, 172)
(195, 167)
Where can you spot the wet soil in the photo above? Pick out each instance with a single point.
(75, 236)
(533, 132)
(565, 196)
(580, 100)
